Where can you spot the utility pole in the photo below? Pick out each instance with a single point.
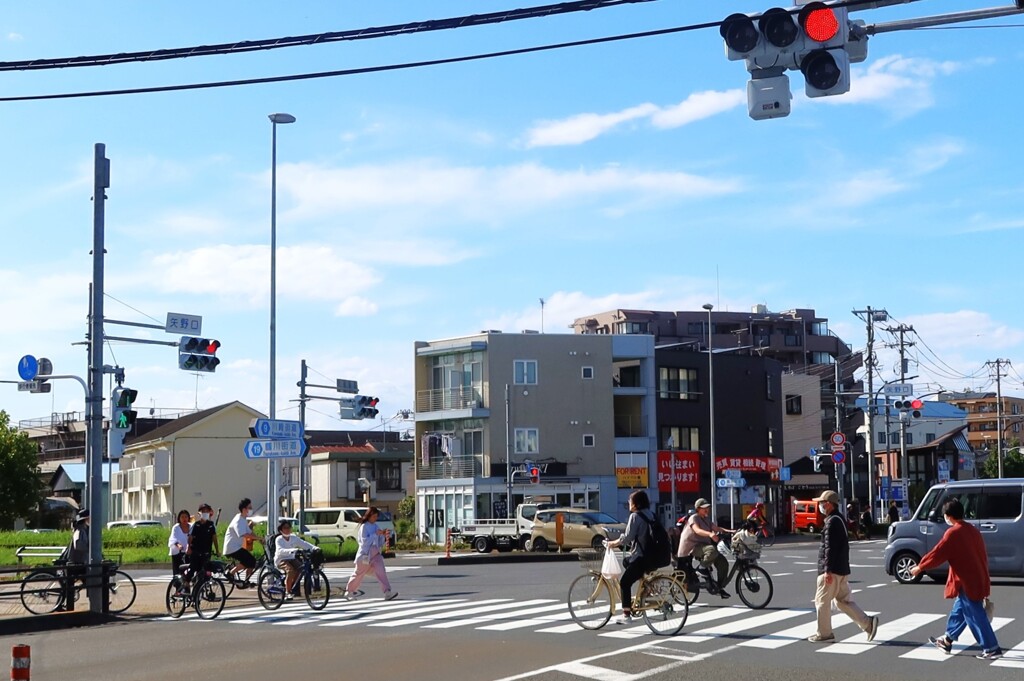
(902, 330)
(870, 317)
(998, 365)
(303, 481)
(841, 467)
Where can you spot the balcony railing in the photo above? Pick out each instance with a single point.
(451, 467)
(448, 398)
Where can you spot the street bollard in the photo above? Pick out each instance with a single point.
(21, 663)
(448, 543)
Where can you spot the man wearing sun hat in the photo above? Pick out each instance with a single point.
(834, 573)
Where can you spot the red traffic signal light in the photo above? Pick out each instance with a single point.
(819, 22)
(534, 474)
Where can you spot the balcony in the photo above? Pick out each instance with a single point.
(134, 480)
(451, 467)
(450, 403)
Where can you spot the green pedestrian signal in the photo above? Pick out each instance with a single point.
(123, 416)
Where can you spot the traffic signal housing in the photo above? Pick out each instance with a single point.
(198, 354)
(534, 472)
(365, 407)
(912, 408)
(122, 415)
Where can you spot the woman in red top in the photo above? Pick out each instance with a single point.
(964, 549)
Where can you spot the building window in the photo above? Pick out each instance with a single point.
(525, 372)
(910, 438)
(389, 475)
(587, 372)
(881, 437)
(771, 442)
(472, 442)
(929, 437)
(527, 441)
(685, 438)
(677, 384)
(794, 404)
(631, 327)
(894, 438)
(793, 341)
(588, 440)
(821, 358)
(769, 387)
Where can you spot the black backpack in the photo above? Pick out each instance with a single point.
(654, 544)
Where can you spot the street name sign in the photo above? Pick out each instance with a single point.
(276, 429)
(28, 386)
(189, 324)
(731, 482)
(275, 449)
(733, 473)
(899, 389)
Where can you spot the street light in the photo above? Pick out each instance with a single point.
(275, 120)
(711, 409)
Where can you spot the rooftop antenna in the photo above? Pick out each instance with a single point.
(542, 315)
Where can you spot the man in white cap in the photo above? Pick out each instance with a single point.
(699, 540)
(834, 573)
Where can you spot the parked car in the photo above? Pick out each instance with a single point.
(134, 523)
(581, 528)
(806, 516)
(995, 507)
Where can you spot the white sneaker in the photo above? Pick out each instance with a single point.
(352, 595)
(389, 594)
(623, 619)
(289, 597)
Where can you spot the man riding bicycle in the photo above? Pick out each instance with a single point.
(757, 515)
(699, 540)
(202, 542)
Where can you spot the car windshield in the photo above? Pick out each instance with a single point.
(384, 517)
(603, 518)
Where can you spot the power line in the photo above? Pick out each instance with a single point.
(239, 47)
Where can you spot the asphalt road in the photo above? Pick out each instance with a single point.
(509, 621)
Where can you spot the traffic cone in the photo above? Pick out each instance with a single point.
(21, 663)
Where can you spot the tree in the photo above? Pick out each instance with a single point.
(1013, 462)
(20, 486)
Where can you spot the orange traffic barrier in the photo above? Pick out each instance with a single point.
(21, 663)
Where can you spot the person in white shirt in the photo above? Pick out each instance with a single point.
(234, 542)
(177, 543)
(368, 557)
(285, 547)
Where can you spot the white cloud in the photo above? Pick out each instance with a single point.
(14, 37)
(584, 127)
(901, 84)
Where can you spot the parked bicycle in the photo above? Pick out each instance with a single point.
(44, 590)
(753, 583)
(312, 583)
(206, 594)
(660, 599)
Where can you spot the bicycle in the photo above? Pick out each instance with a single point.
(766, 535)
(311, 581)
(207, 595)
(660, 599)
(44, 590)
(232, 579)
(753, 583)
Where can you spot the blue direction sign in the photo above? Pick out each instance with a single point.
(28, 367)
(276, 429)
(785, 474)
(275, 449)
(731, 482)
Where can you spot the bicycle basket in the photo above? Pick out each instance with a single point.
(591, 559)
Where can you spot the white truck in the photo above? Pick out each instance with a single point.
(503, 534)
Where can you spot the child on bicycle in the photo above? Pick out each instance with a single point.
(285, 547)
(745, 540)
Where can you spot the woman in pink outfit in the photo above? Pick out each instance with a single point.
(368, 557)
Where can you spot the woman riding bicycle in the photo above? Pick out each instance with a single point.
(640, 517)
(285, 547)
(757, 515)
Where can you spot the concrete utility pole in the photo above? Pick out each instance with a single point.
(94, 394)
(870, 317)
(303, 480)
(902, 330)
(997, 364)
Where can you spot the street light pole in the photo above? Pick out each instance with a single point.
(711, 410)
(275, 120)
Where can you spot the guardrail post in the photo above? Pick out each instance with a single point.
(21, 662)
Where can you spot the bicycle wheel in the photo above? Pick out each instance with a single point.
(209, 598)
(664, 606)
(754, 586)
(122, 592)
(271, 589)
(175, 600)
(590, 601)
(317, 589)
(690, 586)
(41, 592)
(766, 537)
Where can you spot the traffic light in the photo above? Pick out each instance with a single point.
(817, 464)
(365, 407)
(912, 408)
(534, 472)
(818, 39)
(123, 416)
(198, 354)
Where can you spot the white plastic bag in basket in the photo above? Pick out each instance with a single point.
(723, 548)
(611, 566)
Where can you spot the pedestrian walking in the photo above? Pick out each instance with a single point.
(894, 512)
(368, 557)
(834, 573)
(968, 582)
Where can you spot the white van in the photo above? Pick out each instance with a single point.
(343, 522)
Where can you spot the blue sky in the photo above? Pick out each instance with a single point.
(435, 202)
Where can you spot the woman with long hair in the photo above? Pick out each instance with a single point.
(178, 541)
(368, 557)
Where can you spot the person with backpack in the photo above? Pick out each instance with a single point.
(700, 540)
(647, 545)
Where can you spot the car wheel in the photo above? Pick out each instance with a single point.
(597, 542)
(901, 566)
(482, 545)
(524, 542)
(811, 528)
(540, 545)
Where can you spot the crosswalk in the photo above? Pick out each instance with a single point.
(335, 575)
(735, 626)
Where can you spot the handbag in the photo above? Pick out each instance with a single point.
(990, 608)
(611, 566)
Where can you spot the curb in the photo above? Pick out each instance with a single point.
(511, 557)
(60, 620)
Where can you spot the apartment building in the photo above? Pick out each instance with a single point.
(983, 418)
(490, 405)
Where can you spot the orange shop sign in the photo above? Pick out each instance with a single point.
(631, 477)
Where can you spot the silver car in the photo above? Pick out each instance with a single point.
(996, 507)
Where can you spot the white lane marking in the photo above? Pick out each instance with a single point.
(510, 616)
(933, 654)
(699, 618)
(794, 634)
(1014, 657)
(783, 574)
(875, 586)
(735, 627)
(419, 619)
(887, 631)
(412, 611)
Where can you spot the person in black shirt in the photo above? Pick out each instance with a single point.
(202, 541)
